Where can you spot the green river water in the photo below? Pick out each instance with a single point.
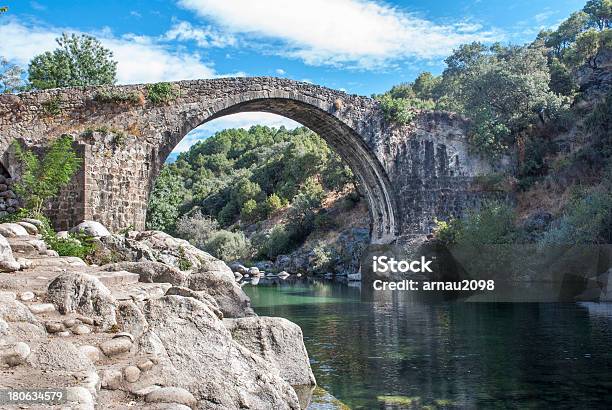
(390, 351)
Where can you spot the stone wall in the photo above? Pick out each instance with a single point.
(407, 174)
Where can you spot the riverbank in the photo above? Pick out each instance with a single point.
(161, 324)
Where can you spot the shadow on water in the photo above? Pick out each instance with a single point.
(391, 350)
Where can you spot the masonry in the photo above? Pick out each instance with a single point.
(408, 174)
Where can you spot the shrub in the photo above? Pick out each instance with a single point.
(273, 204)
(402, 110)
(75, 245)
(321, 260)
(277, 243)
(228, 246)
(52, 106)
(249, 210)
(161, 93)
(196, 228)
(42, 179)
(118, 97)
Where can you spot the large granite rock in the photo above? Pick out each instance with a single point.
(279, 341)
(7, 261)
(84, 294)
(91, 228)
(196, 352)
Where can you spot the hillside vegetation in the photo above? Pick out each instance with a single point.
(222, 193)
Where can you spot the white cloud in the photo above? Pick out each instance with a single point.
(203, 36)
(361, 33)
(241, 120)
(543, 16)
(280, 71)
(139, 59)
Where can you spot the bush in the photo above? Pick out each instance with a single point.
(321, 260)
(587, 219)
(77, 245)
(273, 204)
(118, 97)
(196, 228)
(161, 93)
(277, 243)
(402, 110)
(249, 210)
(42, 178)
(228, 246)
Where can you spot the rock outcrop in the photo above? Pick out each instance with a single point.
(143, 333)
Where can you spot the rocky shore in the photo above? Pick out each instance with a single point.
(155, 324)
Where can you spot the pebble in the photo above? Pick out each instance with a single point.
(116, 346)
(86, 320)
(54, 327)
(131, 373)
(42, 308)
(111, 379)
(81, 330)
(92, 352)
(65, 333)
(171, 395)
(145, 365)
(17, 354)
(26, 296)
(70, 322)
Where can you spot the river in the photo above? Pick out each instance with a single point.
(389, 350)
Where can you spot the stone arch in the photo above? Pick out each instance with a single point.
(317, 116)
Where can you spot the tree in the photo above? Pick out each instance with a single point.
(42, 179)
(80, 60)
(425, 85)
(11, 79)
(588, 46)
(599, 12)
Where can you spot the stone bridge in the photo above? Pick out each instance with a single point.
(408, 174)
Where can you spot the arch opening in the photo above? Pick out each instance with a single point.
(372, 180)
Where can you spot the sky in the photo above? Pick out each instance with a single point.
(358, 46)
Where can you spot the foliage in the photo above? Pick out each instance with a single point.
(587, 219)
(52, 106)
(402, 110)
(107, 96)
(11, 80)
(278, 242)
(80, 60)
(161, 93)
(273, 204)
(196, 228)
(588, 46)
(42, 178)
(228, 246)
(493, 224)
(166, 198)
(78, 245)
(321, 260)
(599, 12)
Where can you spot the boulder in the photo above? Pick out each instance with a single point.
(197, 353)
(171, 395)
(30, 228)
(150, 272)
(116, 346)
(15, 355)
(230, 297)
(279, 341)
(84, 294)
(7, 261)
(91, 228)
(11, 230)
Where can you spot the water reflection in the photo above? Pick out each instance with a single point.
(391, 347)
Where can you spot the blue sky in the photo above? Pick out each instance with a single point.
(360, 46)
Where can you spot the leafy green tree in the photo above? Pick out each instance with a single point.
(273, 204)
(80, 60)
(165, 201)
(42, 178)
(560, 39)
(228, 246)
(588, 46)
(249, 210)
(599, 12)
(425, 86)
